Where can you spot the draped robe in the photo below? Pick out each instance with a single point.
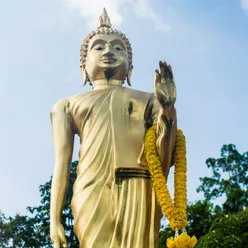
(111, 212)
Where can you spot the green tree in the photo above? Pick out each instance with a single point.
(229, 231)
(229, 179)
(18, 231)
(201, 214)
(22, 232)
(4, 230)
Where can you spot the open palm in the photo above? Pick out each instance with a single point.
(164, 85)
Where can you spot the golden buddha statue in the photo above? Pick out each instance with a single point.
(113, 202)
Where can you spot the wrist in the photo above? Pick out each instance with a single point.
(169, 118)
(54, 222)
(169, 113)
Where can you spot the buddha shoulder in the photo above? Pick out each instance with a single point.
(64, 106)
(60, 108)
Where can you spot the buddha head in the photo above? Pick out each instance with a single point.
(106, 54)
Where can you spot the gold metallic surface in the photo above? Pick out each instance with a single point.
(113, 202)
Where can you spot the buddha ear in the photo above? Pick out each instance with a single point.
(129, 73)
(85, 76)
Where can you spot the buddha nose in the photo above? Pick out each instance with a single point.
(108, 54)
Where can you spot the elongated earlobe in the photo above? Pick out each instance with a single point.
(85, 76)
(129, 75)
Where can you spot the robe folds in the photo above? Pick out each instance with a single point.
(112, 212)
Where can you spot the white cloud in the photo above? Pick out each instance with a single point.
(143, 9)
(93, 8)
(244, 4)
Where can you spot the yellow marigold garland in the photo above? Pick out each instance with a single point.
(175, 213)
(182, 241)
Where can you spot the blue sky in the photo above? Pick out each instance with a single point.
(206, 42)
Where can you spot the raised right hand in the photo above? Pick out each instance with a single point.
(164, 84)
(57, 235)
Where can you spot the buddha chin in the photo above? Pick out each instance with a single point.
(110, 72)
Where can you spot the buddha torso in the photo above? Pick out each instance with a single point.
(116, 114)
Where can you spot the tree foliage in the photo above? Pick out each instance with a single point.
(4, 230)
(229, 179)
(18, 231)
(229, 231)
(200, 216)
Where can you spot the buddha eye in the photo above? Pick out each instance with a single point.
(118, 48)
(99, 47)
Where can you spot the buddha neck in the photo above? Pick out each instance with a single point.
(106, 84)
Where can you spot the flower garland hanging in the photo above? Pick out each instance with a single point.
(174, 212)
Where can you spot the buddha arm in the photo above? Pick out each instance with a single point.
(63, 141)
(166, 133)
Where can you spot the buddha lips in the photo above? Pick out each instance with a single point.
(174, 212)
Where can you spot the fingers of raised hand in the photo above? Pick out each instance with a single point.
(165, 71)
(157, 77)
(170, 69)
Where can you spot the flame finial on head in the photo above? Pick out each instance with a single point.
(104, 20)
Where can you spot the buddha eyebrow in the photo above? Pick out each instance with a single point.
(112, 42)
(97, 42)
(117, 41)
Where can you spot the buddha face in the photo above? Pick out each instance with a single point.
(107, 58)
